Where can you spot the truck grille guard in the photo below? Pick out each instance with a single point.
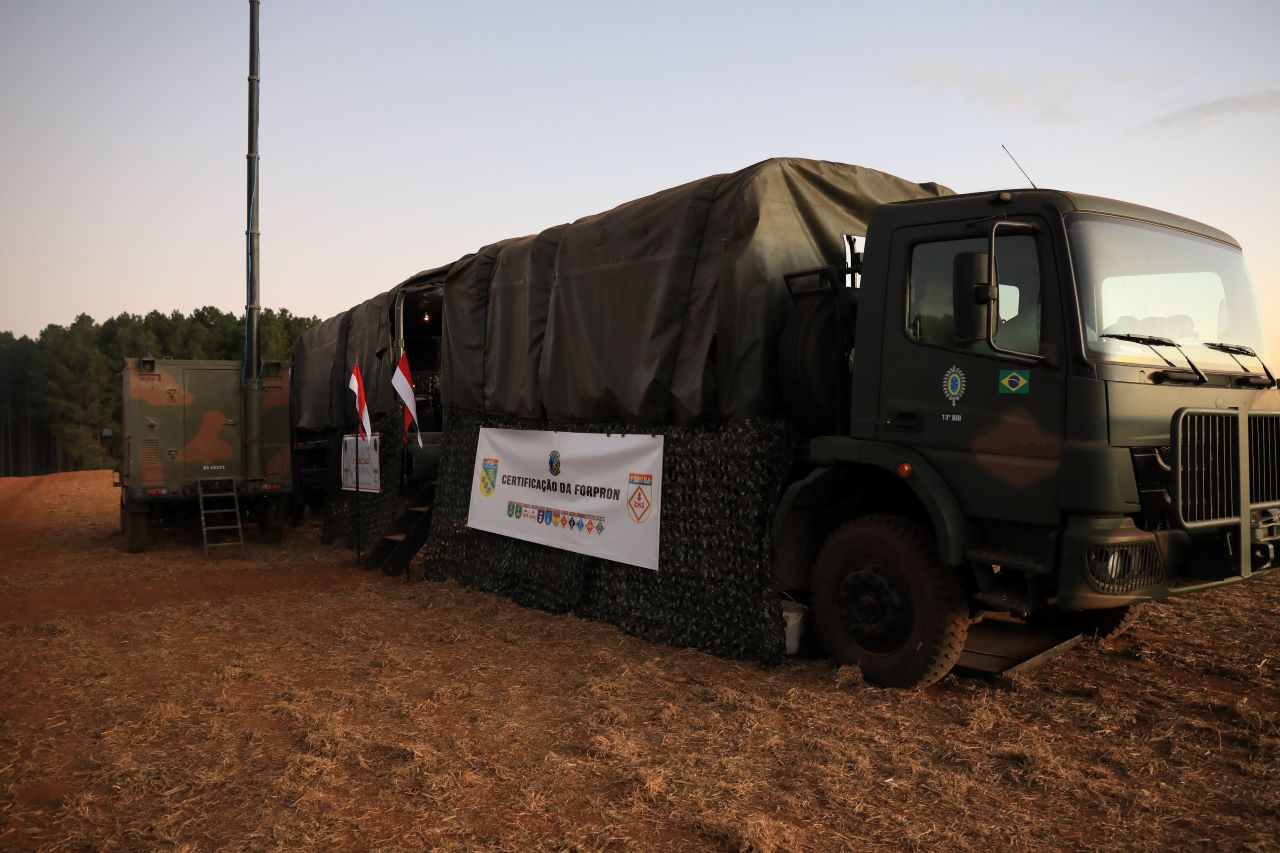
(1206, 474)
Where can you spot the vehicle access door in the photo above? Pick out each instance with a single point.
(992, 424)
(211, 422)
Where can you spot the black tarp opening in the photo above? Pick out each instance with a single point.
(325, 354)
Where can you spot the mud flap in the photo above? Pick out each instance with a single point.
(1000, 647)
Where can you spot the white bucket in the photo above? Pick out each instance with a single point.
(793, 616)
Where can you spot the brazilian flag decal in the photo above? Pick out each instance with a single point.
(1015, 382)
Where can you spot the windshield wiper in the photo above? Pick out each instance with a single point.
(1234, 350)
(1154, 341)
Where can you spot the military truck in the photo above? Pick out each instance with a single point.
(183, 447)
(1016, 415)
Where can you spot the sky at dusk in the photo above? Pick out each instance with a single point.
(397, 136)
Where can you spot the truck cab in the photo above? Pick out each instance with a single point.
(1059, 406)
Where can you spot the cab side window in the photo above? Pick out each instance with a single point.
(930, 306)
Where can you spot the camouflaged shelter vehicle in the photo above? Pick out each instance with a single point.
(183, 445)
(908, 409)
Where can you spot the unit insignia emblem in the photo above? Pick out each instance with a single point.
(953, 384)
(488, 476)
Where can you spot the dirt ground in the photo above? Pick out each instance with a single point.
(290, 700)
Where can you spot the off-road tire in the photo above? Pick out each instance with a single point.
(812, 370)
(1100, 625)
(271, 514)
(137, 530)
(933, 617)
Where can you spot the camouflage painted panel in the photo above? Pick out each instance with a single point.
(181, 420)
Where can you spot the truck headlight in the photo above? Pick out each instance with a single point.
(1116, 569)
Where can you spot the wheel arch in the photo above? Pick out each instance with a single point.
(846, 477)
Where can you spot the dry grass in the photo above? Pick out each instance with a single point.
(298, 702)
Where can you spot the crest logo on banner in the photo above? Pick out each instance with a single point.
(488, 476)
(553, 463)
(639, 501)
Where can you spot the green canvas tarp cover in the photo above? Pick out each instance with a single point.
(667, 309)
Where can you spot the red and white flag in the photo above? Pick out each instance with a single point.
(362, 411)
(402, 381)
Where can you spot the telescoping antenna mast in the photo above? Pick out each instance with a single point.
(250, 377)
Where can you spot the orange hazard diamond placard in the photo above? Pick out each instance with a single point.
(638, 501)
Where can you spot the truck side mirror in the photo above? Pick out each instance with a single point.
(973, 296)
(109, 441)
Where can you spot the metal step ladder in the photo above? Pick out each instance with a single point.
(219, 513)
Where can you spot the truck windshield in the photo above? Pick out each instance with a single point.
(1141, 279)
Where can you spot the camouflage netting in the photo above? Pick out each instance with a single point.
(377, 512)
(713, 590)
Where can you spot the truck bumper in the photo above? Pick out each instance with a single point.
(1109, 562)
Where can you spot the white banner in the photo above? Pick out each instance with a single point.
(369, 472)
(595, 494)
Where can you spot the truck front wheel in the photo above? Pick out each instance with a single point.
(884, 603)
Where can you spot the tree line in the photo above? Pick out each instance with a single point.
(60, 390)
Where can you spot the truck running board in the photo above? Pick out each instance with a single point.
(1002, 647)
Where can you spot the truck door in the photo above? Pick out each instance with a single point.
(992, 424)
(211, 422)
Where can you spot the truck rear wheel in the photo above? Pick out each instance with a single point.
(137, 529)
(271, 517)
(884, 603)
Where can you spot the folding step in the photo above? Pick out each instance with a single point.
(408, 534)
(214, 495)
(1004, 647)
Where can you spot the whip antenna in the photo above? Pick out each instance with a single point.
(1020, 169)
